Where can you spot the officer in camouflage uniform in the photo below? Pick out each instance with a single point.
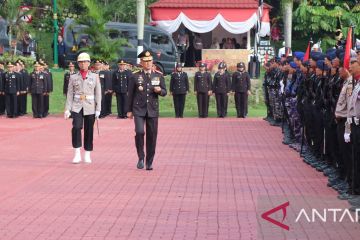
(67, 77)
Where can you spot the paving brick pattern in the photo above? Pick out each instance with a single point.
(208, 174)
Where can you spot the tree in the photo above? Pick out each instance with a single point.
(10, 11)
(95, 20)
(319, 18)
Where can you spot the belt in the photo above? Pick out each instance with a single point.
(84, 97)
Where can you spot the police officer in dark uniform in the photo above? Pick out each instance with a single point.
(99, 68)
(25, 78)
(49, 89)
(144, 89)
(241, 86)
(67, 77)
(221, 89)
(12, 90)
(2, 91)
(38, 88)
(120, 83)
(179, 86)
(202, 90)
(108, 87)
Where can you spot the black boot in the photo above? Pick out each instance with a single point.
(139, 142)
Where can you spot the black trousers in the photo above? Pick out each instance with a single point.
(179, 104)
(241, 102)
(103, 105)
(318, 126)
(2, 104)
(79, 120)
(46, 105)
(344, 162)
(37, 105)
(11, 104)
(108, 102)
(355, 138)
(61, 59)
(121, 102)
(22, 104)
(151, 137)
(221, 104)
(203, 104)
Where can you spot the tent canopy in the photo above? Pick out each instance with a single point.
(235, 16)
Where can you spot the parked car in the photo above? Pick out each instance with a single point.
(157, 41)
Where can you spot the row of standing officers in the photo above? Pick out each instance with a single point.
(16, 83)
(221, 85)
(319, 98)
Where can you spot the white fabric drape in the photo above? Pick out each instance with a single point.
(171, 26)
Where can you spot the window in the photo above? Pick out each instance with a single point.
(131, 37)
(161, 43)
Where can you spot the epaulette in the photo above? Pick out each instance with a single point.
(136, 71)
(159, 72)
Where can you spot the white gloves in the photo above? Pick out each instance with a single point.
(356, 121)
(349, 120)
(97, 114)
(347, 137)
(67, 114)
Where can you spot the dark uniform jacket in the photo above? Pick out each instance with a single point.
(145, 101)
(202, 82)
(105, 80)
(179, 83)
(2, 81)
(12, 83)
(49, 79)
(66, 81)
(38, 83)
(120, 81)
(26, 80)
(240, 82)
(221, 83)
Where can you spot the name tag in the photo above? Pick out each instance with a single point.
(102, 75)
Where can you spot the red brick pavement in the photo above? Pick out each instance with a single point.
(208, 175)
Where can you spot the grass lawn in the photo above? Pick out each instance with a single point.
(57, 101)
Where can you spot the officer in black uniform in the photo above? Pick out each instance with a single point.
(145, 86)
(202, 90)
(12, 90)
(241, 86)
(108, 87)
(179, 86)
(49, 89)
(99, 68)
(67, 77)
(25, 78)
(38, 88)
(120, 83)
(2, 91)
(221, 89)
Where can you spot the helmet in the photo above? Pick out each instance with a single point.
(221, 65)
(83, 57)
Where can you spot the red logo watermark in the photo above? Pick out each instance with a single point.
(266, 215)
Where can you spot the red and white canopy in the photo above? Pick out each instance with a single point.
(235, 16)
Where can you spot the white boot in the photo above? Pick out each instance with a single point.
(87, 158)
(77, 157)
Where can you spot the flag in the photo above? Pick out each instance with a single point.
(307, 53)
(348, 49)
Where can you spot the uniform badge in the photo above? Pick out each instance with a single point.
(155, 81)
(102, 76)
